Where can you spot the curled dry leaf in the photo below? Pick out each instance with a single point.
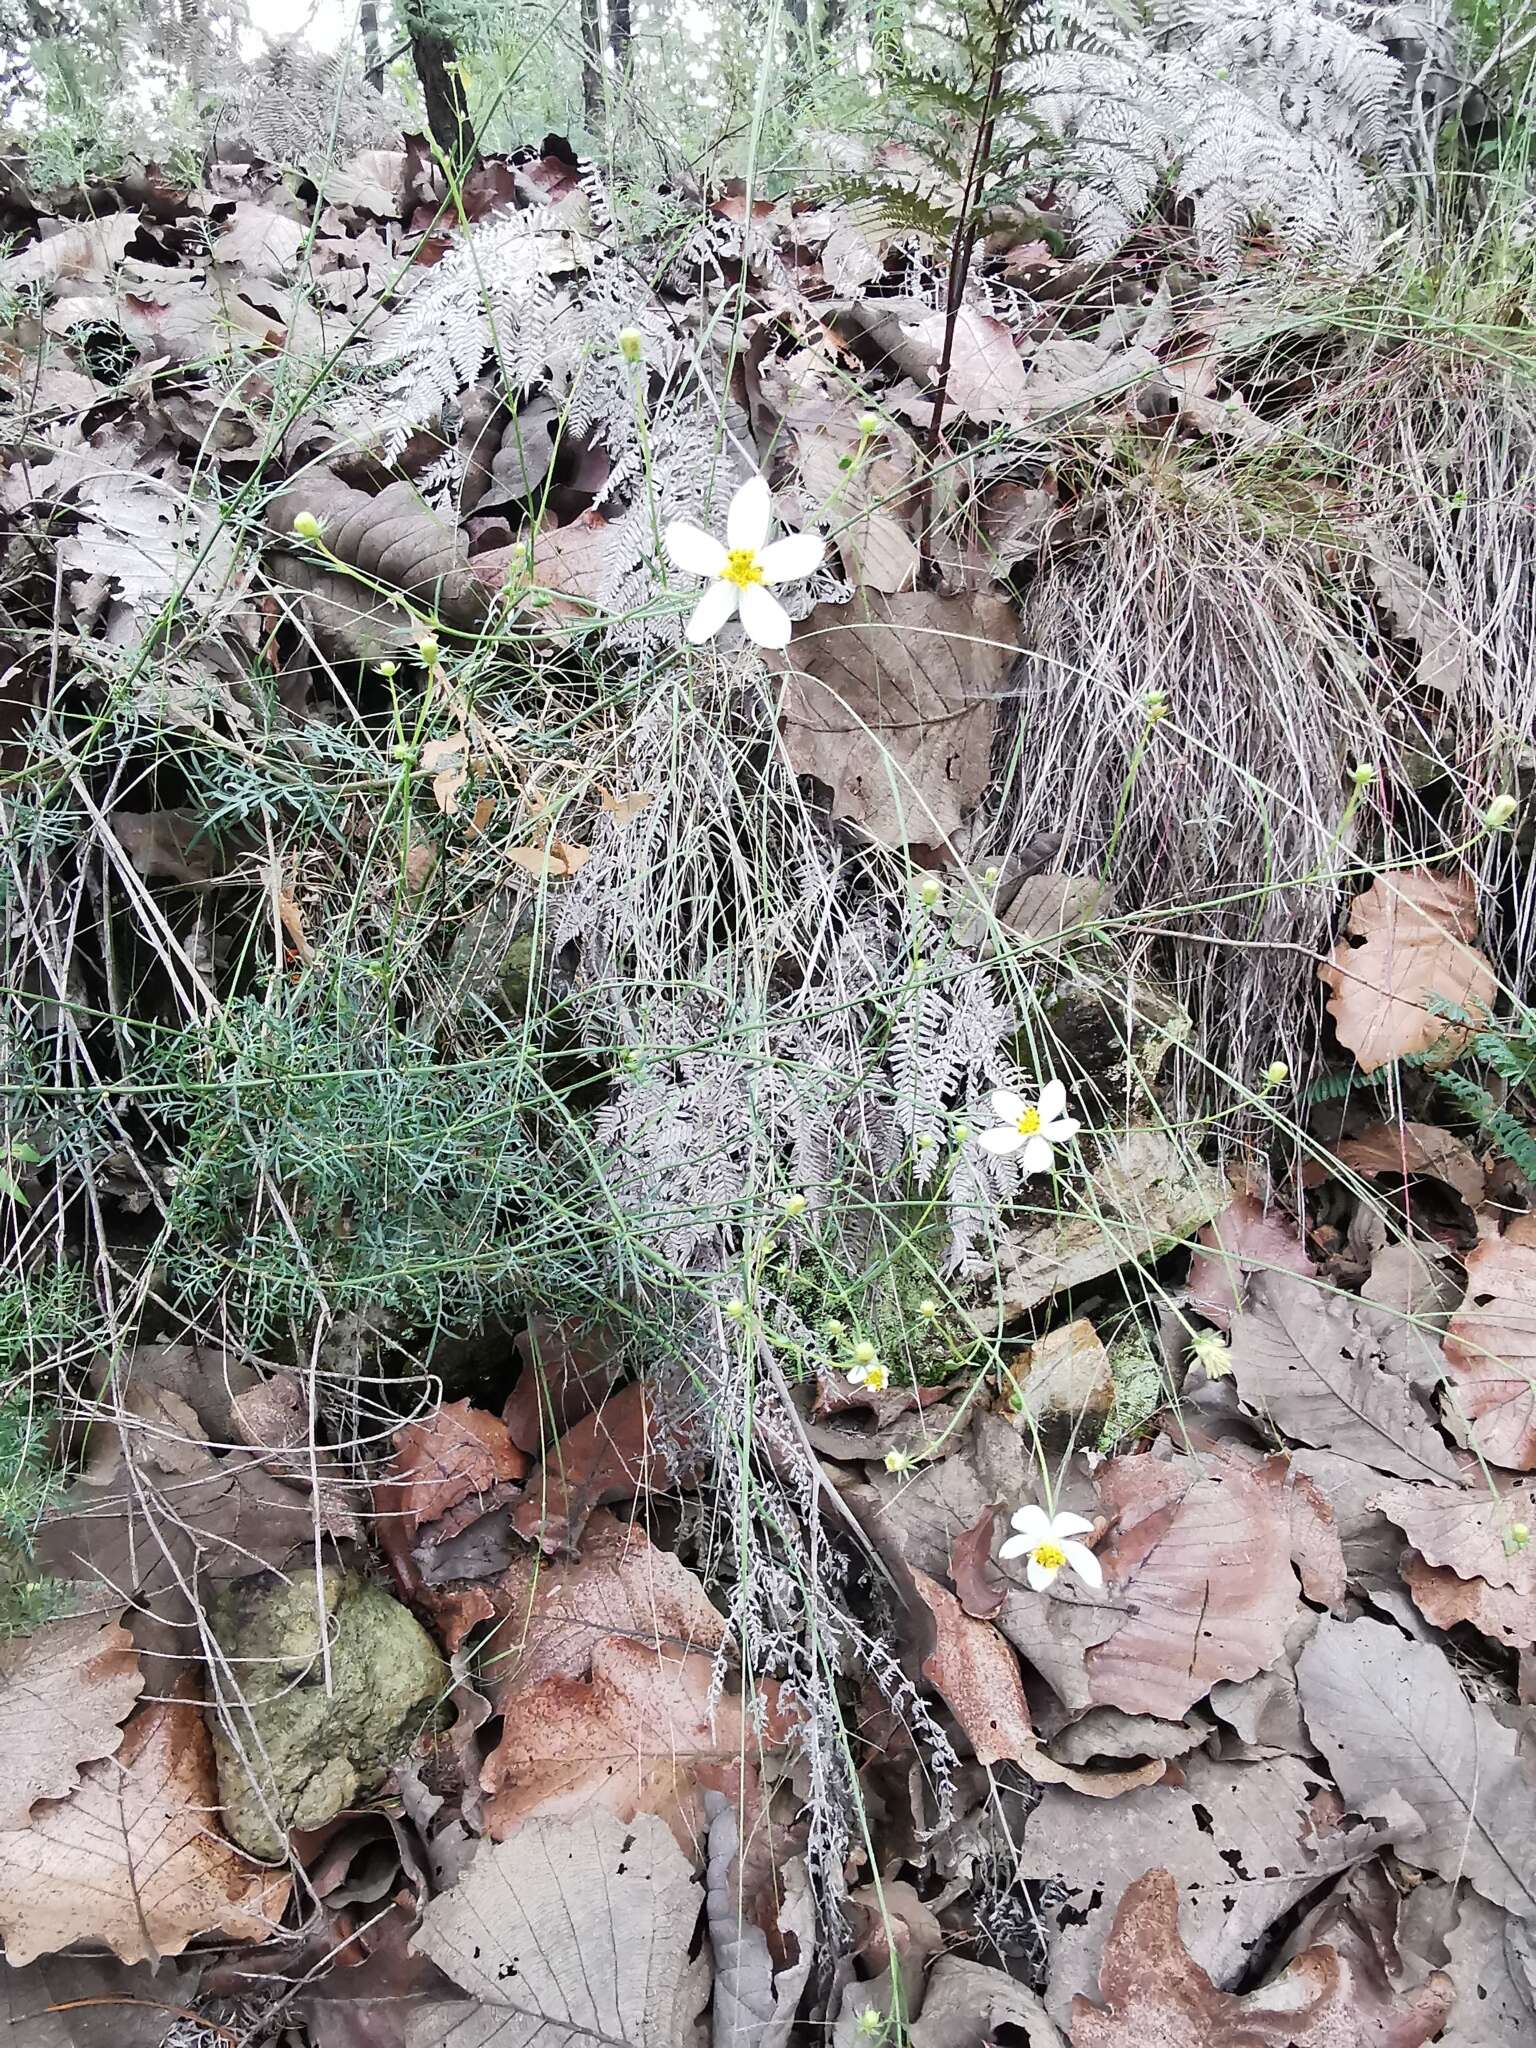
(1246, 1238)
(609, 1456)
(1409, 937)
(394, 540)
(1490, 1348)
(1495, 1986)
(1468, 1532)
(1154, 1993)
(555, 861)
(1331, 1371)
(756, 1994)
(567, 1369)
(965, 2005)
(1403, 1149)
(977, 1676)
(642, 1734)
(574, 1934)
(133, 1859)
(64, 1692)
(447, 762)
(1395, 1725)
(892, 704)
(460, 1454)
(981, 1589)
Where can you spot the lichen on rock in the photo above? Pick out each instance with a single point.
(320, 1687)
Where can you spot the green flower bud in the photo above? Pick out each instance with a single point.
(1499, 812)
(306, 526)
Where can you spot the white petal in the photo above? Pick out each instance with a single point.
(1070, 1525)
(711, 612)
(763, 617)
(1034, 1524)
(693, 550)
(1061, 1130)
(1006, 1106)
(746, 523)
(1085, 1564)
(1040, 1575)
(1037, 1155)
(1005, 1139)
(1013, 1546)
(797, 554)
(1053, 1100)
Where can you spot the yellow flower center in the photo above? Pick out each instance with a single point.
(1029, 1123)
(741, 568)
(1051, 1555)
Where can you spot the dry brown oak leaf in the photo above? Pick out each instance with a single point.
(976, 1674)
(892, 703)
(1334, 1372)
(1246, 1238)
(640, 1735)
(612, 1455)
(1393, 1721)
(64, 1693)
(1490, 1348)
(1409, 937)
(553, 1615)
(568, 1368)
(134, 1859)
(1156, 1996)
(569, 1934)
(460, 1453)
(1199, 1580)
(395, 540)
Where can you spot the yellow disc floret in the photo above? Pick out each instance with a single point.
(741, 568)
(1029, 1123)
(1050, 1555)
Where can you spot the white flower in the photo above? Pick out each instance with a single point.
(1046, 1540)
(1032, 1128)
(866, 1370)
(743, 567)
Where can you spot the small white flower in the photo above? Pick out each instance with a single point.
(742, 568)
(1032, 1128)
(1047, 1541)
(866, 1370)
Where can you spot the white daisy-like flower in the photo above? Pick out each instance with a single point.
(1048, 1542)
(1033, 1128)
(866, 1370)
(741, 568)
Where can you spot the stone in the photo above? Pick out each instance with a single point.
(1145, 1193)
(291, 1751)
(1067, 1380)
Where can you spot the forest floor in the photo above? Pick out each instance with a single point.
(768, 1344)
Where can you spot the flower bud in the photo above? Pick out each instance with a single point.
(1213, 1352)
(306, 526)
(736, 1309)
(928, 1308)
(631, 344)
(388, 670)
(428, 649)
(868, 424)
(864, 1352)
(930, 890)
(1276, 1074)
(794, 1205)
(1519, 1535)
(1362, 775)
(834, 1329)
(1499, 812)
(898, 1461)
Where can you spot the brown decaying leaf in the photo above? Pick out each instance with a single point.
(459, 1455)
(1499, 1611)
(1328, 1370)
(447, 762)
(988, 379)
(977, 1676)
(1395, 1725)
(574, 562)
(1403, 1149)
(980, 1588)
(1490, 1348)
(1489, 1963)
(1409, 937)
(965, 2005)
(567, 1368)
(1468, 1532)
(133, 1858)
(1198, 1579)
(638, 1736)
(64, 1692)
(576, 1934)
(609, 1456)
(1156, 1996)
(892, 704)
(1247, 1841)
(554, 1615)
(394, 539)
(1246, 1238)
(862, 506)
(758, 1980)
(554, 861)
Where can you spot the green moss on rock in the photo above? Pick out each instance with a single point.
(292, 1750)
